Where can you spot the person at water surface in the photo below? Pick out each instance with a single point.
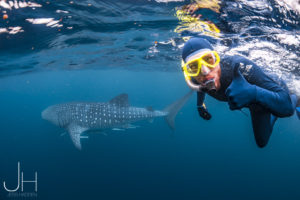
(238, 81)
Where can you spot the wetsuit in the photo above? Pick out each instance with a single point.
(272, 100)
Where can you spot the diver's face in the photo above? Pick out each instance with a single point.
(209, 74)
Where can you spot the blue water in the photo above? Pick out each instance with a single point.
(111, 49)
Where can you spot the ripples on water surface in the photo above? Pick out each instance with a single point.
(42, 35)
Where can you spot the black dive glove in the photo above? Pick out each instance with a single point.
(203, 112)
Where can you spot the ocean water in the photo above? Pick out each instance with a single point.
(62, 51)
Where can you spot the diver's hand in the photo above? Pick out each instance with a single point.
(240, 93)
(203, 112)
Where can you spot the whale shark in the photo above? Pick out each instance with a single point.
(79, 117)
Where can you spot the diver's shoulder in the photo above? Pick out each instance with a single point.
(234, 58)
(230, 60)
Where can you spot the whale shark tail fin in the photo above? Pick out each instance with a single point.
(174, 108)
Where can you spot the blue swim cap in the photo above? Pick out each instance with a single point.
(195, 44)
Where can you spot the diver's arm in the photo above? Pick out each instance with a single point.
(258, 88)
(278, 102)
(200, 98)
(203, 112)
(270, 94)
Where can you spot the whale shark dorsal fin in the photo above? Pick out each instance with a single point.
(75, 132)
(120, 100)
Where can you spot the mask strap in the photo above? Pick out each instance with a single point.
(199, 52)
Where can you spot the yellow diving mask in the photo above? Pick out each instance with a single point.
(205, 57)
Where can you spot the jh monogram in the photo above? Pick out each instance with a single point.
(22, 181)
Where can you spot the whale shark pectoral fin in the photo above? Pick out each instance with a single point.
(75, 132)
(118, 129)
(120, 100)
(62, 134)
(132, 126)
(128, 126)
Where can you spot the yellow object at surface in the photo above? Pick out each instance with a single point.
(190, 23)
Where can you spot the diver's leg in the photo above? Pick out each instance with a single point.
(262, 124)
(296, 104)
(294, 100)
(298, 100)
(273, 120)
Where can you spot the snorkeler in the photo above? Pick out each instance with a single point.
(238, 81)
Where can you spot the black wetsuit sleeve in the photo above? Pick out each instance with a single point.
(269, 93)
(202, 110)
(200, 98)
